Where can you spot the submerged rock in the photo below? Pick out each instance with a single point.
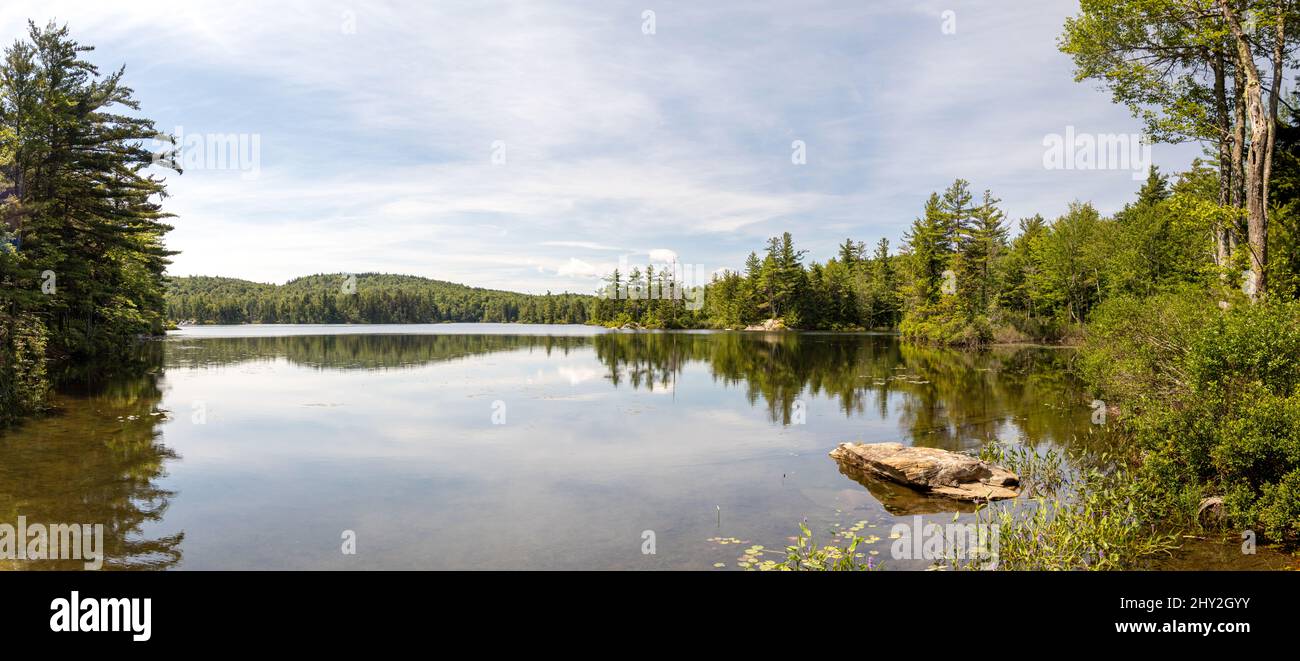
(899, 500)
(935, 471)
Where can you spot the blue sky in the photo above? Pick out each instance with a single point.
(377, 123)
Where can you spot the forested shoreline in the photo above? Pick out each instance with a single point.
(363, 298)
(1185, 300)
(81, 245)
(960, 278)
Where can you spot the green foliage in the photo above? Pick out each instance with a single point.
(81, 252)
(1101, 527)
(877, 291)
(1137, 348)
(1284, 188)
(23, 382)
(656, 299)
(1160, 242)
(980, 244)
(1213, 398)
(952, 252)
(1259, 441)
(1038, 473)
(848, 292)
(1279, 507)
(1071, 262)
(364, 298)
(88, 208)
(945, 322)
(805, 555)
(1152, 55)
(1081, 515)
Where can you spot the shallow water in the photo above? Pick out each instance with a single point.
(509, 446)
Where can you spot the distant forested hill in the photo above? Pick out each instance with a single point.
(373, 298)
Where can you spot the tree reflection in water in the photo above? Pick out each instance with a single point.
(100, 458)
(944, 398)
(95, 460)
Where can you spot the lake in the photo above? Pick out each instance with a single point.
(481, 446)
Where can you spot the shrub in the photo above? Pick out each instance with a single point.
(1279, 507)
(1249, 344)
(1216, 407)
(1260, 442)
(1136, 348)
(946, 323)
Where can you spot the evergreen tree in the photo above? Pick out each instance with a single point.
(982, 240)
(851, 254)
(90, 214)
(928, 249)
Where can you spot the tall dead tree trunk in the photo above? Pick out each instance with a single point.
(1256, 155)
(1274, 96)
(1238, 160)
(1223, 121)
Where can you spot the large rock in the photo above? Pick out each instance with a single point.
(769, 325)
(931, 470)
(1211, 513)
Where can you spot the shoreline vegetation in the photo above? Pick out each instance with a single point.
(82, 255)
(1184, 301)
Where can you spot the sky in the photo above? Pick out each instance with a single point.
(534, 146)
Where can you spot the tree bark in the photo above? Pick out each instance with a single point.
(1224, 124)
(1238, 161)
(1274, 96)
(1256, 156)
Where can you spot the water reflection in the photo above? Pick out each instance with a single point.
(611, 434)
(947, 398)
(359, 352)
(97, 460)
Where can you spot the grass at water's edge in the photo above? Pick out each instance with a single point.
(1079, 512)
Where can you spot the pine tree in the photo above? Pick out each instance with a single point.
(982, 240)
(91, 211)
(955, 208)
(884, 288)
(851, 253)
(928, 251)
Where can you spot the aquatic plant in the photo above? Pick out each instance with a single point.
(1092, 519)
(805, 555)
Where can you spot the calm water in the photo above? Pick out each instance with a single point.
(507, 446)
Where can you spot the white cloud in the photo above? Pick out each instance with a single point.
(585, 245)
(377, 146)
(577, 268)
(663, 255)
